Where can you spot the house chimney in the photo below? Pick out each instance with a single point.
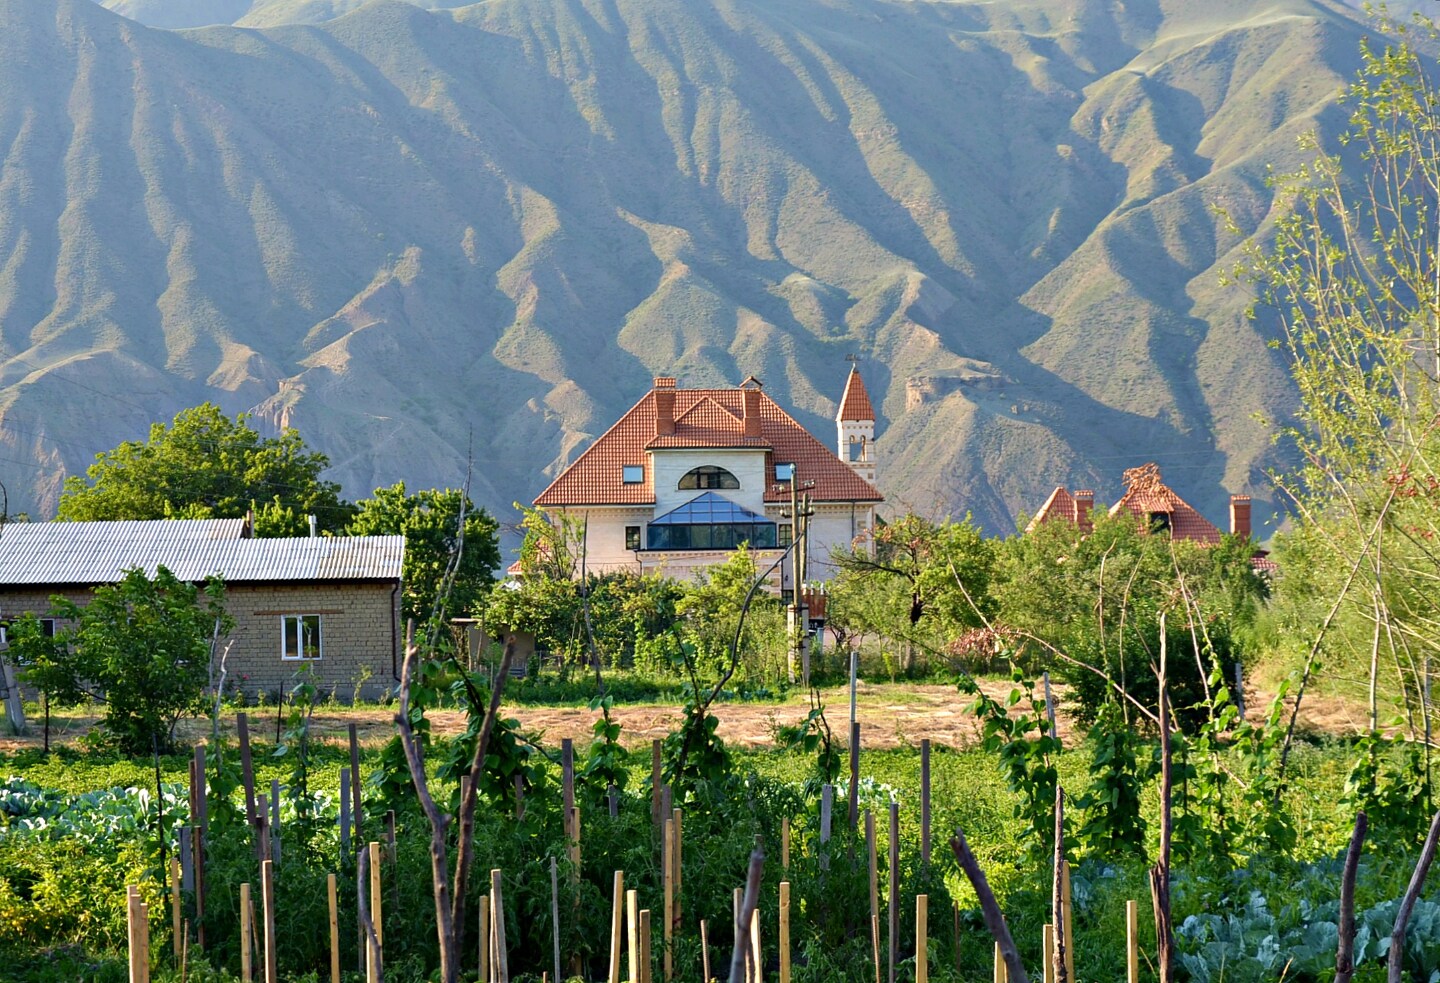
(313, 532)
(664, 406)
(752, 412)
(1084, 503)
(1240, 515)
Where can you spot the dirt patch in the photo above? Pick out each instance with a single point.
(890, 716)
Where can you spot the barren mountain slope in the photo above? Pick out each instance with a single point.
(410, 232)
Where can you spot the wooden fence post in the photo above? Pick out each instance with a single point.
(332, 895)
(922, 938)
(632, 933)
(785, 932)
(925, 801)
(485, 939)
(1132, 942)
(617, 912)
(893, 907)
(246, 949)
(502, 956)
(267, 901)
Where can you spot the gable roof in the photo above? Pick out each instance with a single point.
(1185, 522)
(855, 404)
(89, 553)
(595, 477)
(1059, 506)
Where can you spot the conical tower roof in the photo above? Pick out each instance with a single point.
(855, 404)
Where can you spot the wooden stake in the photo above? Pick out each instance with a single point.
(875, 943)
(679, 854)
(361, 944)
(827, 812)
(247, 771)
(755, 959)
(333, 896)
(1047, 951)
(1132, 942)
(617, 911)
(132, 931)
(197, 851)
(275, 819)
(1069, 925)
(668, 886)
(246, 930)
(485, 939)
(555, 912)
(655, 783)
(922, 941)
(344, 811)
(785, 932)
(705, 951)
(892, 909)
(1002, 974)
(646, 964)
(144, 942)
(785, 843)
(175, 906)
(376, 960)
(1056, 955)
(854, 774)
(925, 801)
(874, 890)
(632, 933)
(185, 951)
(502, 957)
(494, 947)
(267, 901)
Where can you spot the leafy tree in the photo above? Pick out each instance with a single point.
(141, 647)
(1091, 607)
(206, 465)
(553, 546)
(430, 522)
(1353, 278)
(918, 581)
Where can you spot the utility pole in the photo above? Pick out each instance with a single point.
(798, 614)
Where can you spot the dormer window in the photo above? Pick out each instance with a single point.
(784, 472)
(708, 477)
(1160, 522)
(633, 474)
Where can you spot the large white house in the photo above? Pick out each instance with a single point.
(687, 475)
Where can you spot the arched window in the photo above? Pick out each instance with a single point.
(708, 476)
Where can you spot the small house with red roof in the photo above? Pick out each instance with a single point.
(688, 475)
(1148, 498)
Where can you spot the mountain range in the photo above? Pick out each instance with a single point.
(427, 237)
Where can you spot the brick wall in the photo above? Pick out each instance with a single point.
(359, 625)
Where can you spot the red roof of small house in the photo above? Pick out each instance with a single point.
(1058, 507)
(704, 418)
(855, 404)
(1146, 495)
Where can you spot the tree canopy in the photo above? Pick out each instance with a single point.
(430, 522)
(141, 647)
(205, 465)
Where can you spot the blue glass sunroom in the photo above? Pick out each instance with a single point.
(710, 522)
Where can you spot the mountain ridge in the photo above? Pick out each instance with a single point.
(410, 233)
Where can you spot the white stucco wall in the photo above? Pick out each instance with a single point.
(669, 466)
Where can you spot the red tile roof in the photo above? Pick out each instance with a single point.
(1146, 495)
(855, 404)
(1058, 507)
(711, 418)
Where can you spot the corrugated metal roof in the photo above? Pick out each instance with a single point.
(54, 553)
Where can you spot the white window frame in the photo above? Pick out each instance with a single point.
(632, 474)
(784, 472)
(285, 655)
